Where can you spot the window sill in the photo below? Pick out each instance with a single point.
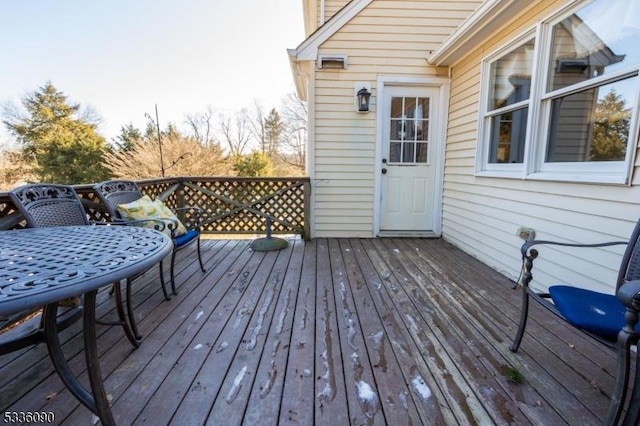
(582, 177)
(568, 177)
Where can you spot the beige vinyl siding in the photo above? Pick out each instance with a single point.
(481, 214)
(331, 7)
(386, 38)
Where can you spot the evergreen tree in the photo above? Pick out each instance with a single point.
(127, 137)
(274, 128)
(611, 129)
(255, 164)
(64, 148)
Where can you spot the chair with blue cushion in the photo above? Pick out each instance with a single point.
(116, 193)
(611, 319)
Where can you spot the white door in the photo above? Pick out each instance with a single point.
(408, 178)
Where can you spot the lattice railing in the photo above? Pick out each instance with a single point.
(230, 205)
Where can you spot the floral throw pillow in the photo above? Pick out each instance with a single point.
(145, 208)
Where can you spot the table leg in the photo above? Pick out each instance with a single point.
(96, 400)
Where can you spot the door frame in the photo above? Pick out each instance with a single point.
(439, 134)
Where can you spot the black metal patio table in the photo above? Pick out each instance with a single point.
(42, 266)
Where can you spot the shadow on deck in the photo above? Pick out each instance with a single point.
(331, 331)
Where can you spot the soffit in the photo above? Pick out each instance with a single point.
(487, 19)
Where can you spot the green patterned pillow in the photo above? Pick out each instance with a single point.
(145, 208)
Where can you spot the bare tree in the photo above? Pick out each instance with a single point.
(202, 126)
(257, 125)
(235, 131)
(294, 141)
(183, 156)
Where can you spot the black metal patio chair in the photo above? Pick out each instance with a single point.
(47, 205)
(116, 193)
(611, 319)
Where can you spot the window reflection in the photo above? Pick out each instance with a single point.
(508, 133)
(591, 125)
(598, 39)
(511, 77)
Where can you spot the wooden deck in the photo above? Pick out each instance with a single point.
(338, 331)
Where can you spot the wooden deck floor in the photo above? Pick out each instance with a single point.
(338, 331)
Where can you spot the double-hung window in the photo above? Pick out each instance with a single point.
(561, 102)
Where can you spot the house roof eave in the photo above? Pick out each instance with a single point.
(300, 78)
(486, 19)
(308, 49)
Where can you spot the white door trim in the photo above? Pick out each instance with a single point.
(440, 133)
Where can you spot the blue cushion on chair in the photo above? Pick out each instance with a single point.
(185, 238)
(598, 313)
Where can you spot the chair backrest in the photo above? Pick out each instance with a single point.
(44, 205)
(114, 192)
(630, 267)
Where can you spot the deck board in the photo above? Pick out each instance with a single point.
(330, 331)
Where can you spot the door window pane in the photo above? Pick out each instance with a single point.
(409, 123)
(397, 107)
(396, 130)
(395, 150)
(408, 151)
(422, 150)
(422, 131)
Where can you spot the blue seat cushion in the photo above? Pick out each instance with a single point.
(186, 238)
(598, 313)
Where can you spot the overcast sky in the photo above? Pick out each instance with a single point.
(121, 57)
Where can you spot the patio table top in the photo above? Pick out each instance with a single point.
(39, 266)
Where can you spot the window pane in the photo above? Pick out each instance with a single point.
(410, 107)
(396, 131)
(600, 38)
(511, 77)
(422, 152)
(407, 152)
(395, 148)
(508, 136)
(592, 125)
(423, 108)
(423, 130)
(396, 107)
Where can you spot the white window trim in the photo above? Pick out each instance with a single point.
(483, 167)
(533, 166)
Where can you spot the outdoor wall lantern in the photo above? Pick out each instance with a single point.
(363, 97)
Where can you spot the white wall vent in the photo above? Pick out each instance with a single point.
(332, 62)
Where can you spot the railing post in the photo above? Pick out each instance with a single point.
(306, 193)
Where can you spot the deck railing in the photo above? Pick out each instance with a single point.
(230, 205)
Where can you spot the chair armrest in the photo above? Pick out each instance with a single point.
(629, 294)
(196, 212)
(526, 246)
(529, 254)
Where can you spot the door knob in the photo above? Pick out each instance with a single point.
(384, 171)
